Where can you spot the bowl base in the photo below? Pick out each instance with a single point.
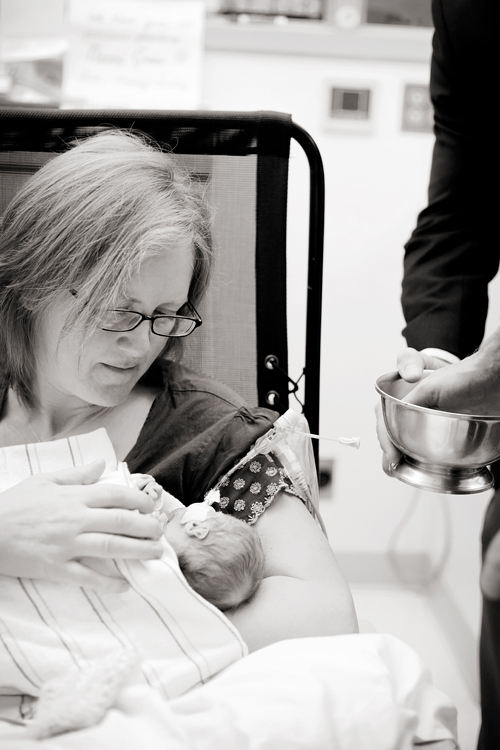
(441, 479)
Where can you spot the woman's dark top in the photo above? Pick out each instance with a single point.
(194, 432)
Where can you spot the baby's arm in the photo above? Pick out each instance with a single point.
(170, 503)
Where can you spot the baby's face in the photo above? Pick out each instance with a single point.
(184, 524)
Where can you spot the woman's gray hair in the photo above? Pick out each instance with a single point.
(86, 221)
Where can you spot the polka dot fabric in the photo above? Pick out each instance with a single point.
(248, 491)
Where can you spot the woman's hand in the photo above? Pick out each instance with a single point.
(50, 521)
(411, 365)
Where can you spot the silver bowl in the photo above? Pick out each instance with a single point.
(442, 451)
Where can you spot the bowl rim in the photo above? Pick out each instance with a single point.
(394, 376)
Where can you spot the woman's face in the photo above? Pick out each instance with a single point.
(104, 369)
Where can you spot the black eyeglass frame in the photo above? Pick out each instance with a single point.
(196, 320)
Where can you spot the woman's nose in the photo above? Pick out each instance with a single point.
(137, 342)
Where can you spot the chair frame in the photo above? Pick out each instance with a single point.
(21, 119)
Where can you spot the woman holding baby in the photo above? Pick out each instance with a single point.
(104, 258)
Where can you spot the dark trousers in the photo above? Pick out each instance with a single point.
(489, 654)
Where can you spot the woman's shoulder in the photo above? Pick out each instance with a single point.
(191, 404)
(182, 383)
(177, 383)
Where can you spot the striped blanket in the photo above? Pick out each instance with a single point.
(48, 629)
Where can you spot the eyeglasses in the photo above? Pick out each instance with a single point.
(175, 326)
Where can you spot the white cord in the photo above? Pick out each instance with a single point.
(392, 553)
(352, 442)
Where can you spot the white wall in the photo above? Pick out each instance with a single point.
(375, 186)
(31, 18)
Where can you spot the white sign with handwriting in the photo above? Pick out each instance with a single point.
(134, 54)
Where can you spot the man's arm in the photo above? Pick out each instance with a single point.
(453, 252)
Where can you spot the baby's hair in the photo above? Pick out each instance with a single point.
(86, 221)
(227, 566)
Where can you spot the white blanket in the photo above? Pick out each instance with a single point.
(352, 692)
(179, 639)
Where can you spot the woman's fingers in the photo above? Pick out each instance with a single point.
(91, 544)
(77, 474)
(83, 479)
(43, 523)
(116, 496)
(123, 522)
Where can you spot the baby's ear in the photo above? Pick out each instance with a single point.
(199, 529)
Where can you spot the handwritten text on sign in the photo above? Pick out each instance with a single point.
(142, 54)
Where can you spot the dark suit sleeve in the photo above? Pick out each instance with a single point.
(453, 252)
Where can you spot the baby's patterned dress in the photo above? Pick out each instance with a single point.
(248, 491)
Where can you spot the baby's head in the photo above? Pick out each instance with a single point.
(220, 556)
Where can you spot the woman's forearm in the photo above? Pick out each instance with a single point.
(286, 607)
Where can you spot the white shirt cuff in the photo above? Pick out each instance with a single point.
(441, 354)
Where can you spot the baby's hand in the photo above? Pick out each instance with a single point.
(164, 502)
(147, 484)
(155, 492)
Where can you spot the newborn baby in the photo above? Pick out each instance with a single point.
(220, 556)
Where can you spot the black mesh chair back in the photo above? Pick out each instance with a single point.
(240, 160)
